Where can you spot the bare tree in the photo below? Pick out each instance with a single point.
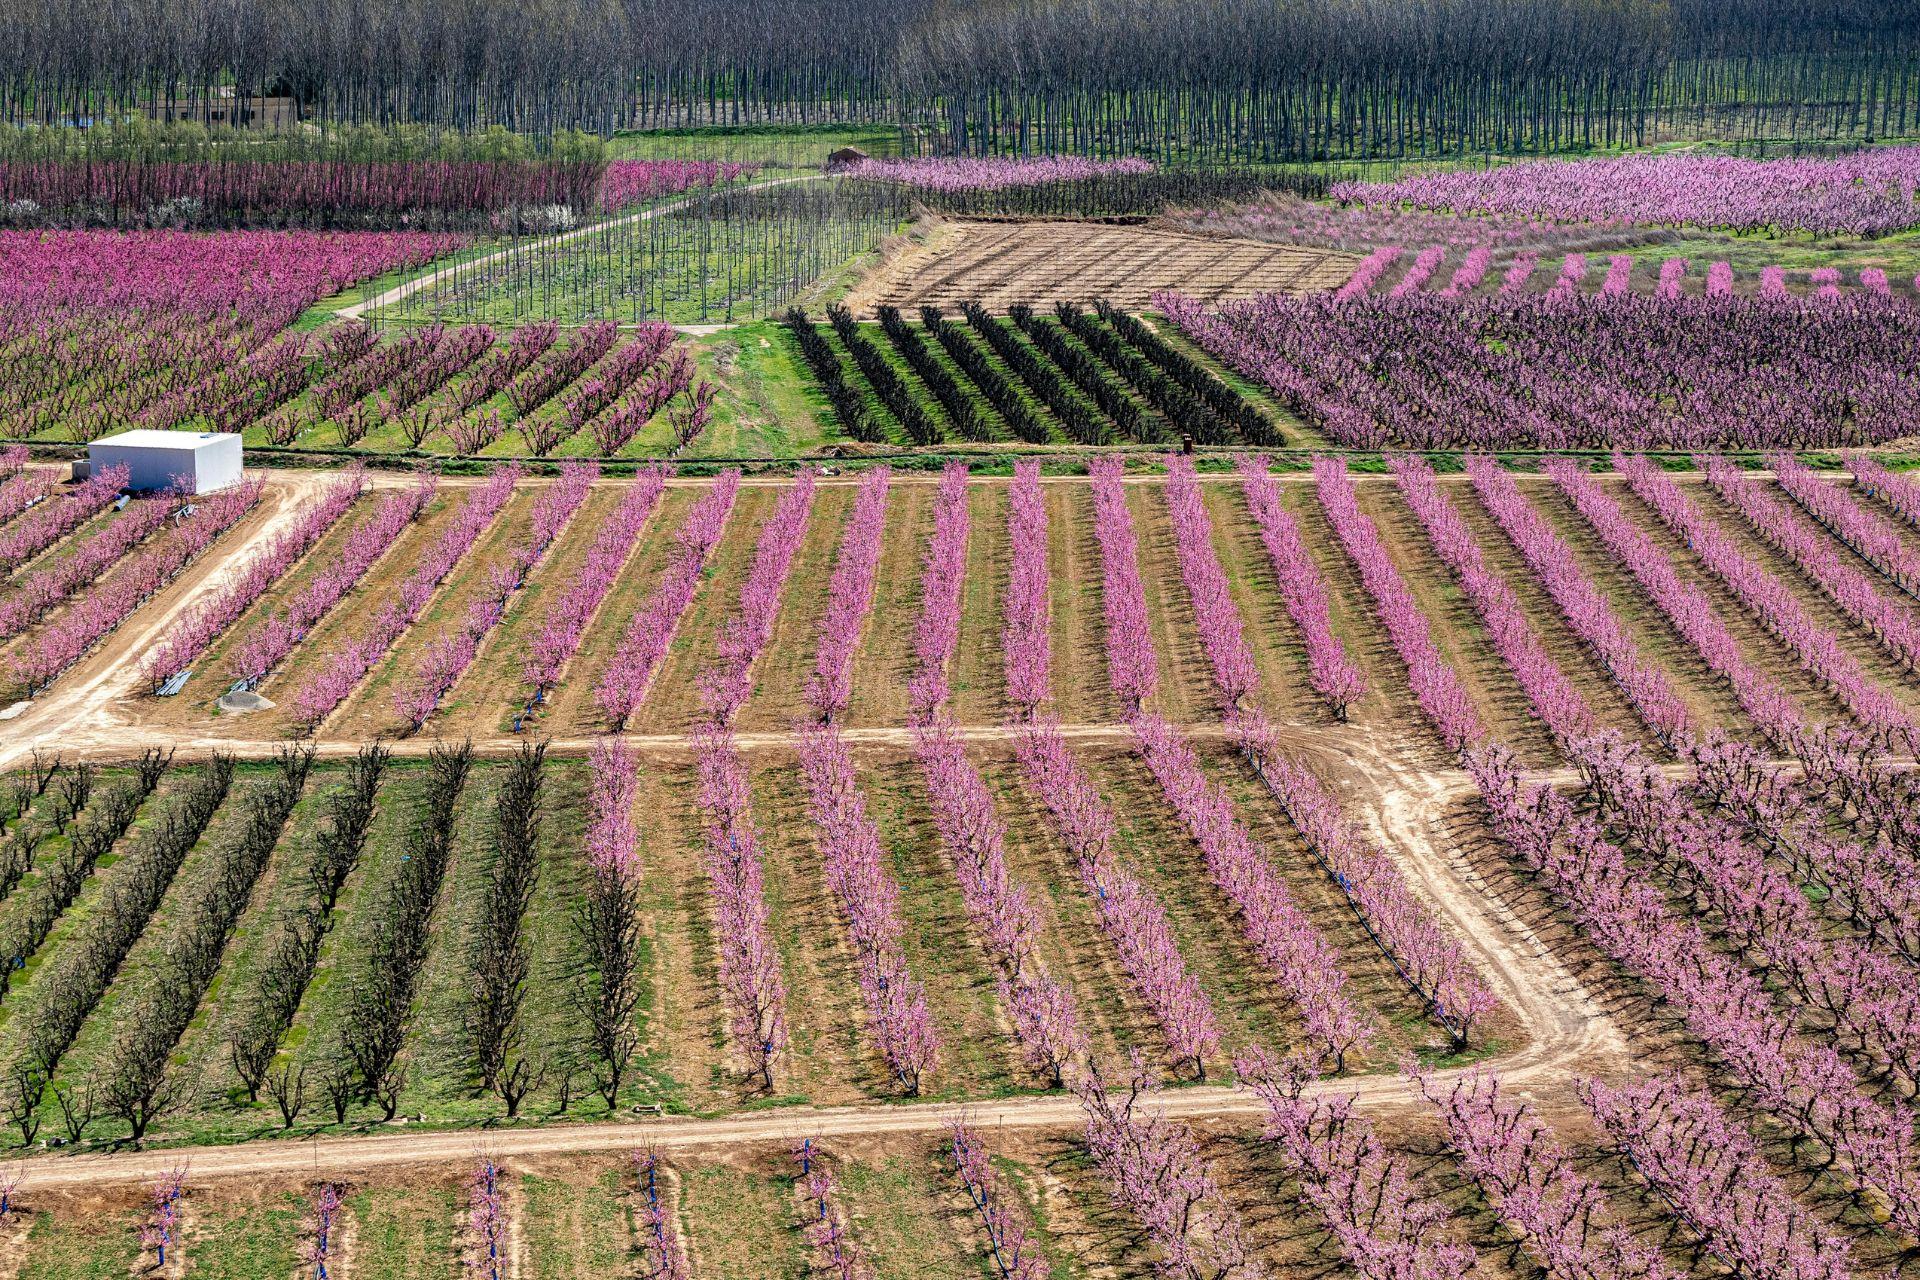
(338, 1087)
(136, 1094)
(375, 1021)
(520, 1076)
(606, 994)
(288, 1089)
(389, 1087)
(26, 1088)
(75, 1103)
(499, 951)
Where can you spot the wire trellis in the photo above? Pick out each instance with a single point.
(735, 254)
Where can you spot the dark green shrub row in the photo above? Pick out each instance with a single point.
(1187, 414)
(959, 406)
(1081, 422)
(990, 382)
(821, 357)
(374, 1020)
(1254, 426)
(1086, 373)
(886, 381)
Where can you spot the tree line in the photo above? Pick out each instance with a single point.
(1181, 79)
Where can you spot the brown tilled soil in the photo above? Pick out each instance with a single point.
(1000, 263)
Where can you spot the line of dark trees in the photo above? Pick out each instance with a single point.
(1268, 79)
(144, 172)
(1184, 79)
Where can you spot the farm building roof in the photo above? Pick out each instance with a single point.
(148, 438)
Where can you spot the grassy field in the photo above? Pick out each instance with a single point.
(736, 255)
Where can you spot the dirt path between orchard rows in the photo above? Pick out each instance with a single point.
(77, 715)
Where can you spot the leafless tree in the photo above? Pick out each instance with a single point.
(1203, 79)
(75, 1104)
(288, 1089)
(338, 1086)
(25, 1089)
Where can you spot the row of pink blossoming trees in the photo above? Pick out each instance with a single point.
(1678, 1139)
(1564, 368)
(1675, 1136)
(1392, 271)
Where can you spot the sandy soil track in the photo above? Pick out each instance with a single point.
(78, 710)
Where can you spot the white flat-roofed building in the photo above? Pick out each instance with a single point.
(201, 461)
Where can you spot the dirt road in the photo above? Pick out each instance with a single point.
(79, 710)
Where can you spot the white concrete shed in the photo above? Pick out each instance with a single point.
(202, 461)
